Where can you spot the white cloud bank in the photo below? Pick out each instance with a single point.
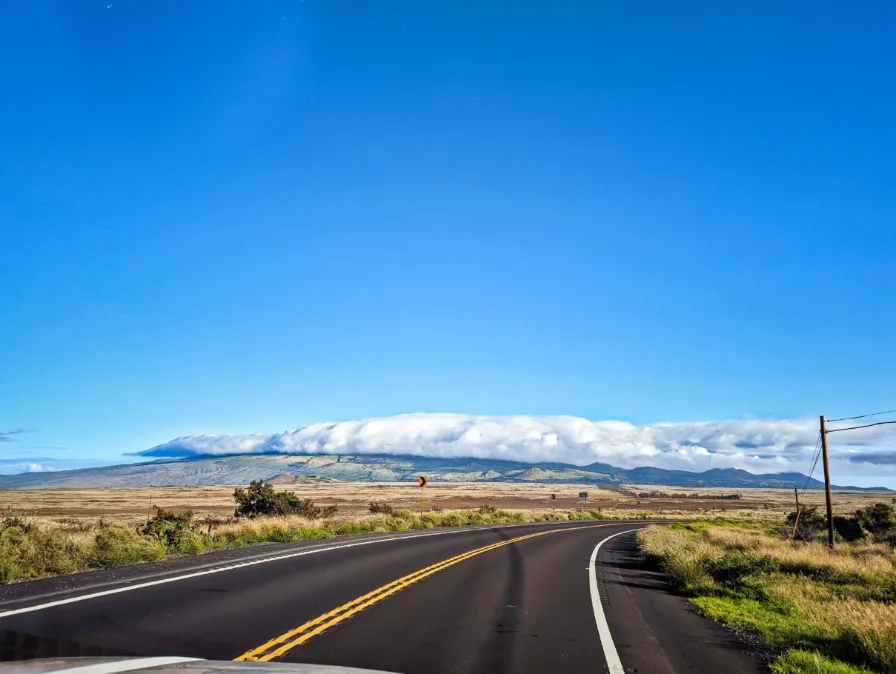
(14, 467)
(756, 445)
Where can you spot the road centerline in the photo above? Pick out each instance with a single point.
(282, 644)
(130, 586)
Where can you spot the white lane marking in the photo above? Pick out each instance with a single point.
(126, 665)
(614, 664)
(239, 565)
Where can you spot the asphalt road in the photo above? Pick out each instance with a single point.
(510, 599)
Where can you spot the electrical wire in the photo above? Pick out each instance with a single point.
(852, 428)
(799, 509)
(861, 416)
(816, 455)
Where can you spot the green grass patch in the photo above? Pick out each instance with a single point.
(774, 623)
(701, 526)
(117, 546)
(804, 662)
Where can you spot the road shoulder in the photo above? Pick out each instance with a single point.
(658, 631)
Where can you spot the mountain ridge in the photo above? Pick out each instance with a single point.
(237, 469)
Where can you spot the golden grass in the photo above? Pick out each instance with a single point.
(352, 498)
(38, 547)
(866, 560)
(839, 601)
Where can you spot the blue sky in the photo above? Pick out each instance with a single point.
(239, 217)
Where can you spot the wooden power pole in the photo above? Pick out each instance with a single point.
(827, 480)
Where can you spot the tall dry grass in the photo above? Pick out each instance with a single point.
(839, 602)
(38, 547)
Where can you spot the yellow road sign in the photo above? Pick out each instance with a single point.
(421, 481)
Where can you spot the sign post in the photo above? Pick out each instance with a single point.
(422, 482)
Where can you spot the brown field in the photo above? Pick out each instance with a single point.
(352, 498)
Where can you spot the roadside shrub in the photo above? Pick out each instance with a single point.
(381, 508)
(191, 544)
(878, 519)
(810, 523)
(116, 546)
(314, 533)
(588, 515)
(10, 571)
(211, 522)
(734, 567)
(18, 523)
(29, 552)
(848, 528)
(397, 524)
(262, 499)
(458, 519)
(169, 528)
(487, 510)
(348, 528)
(274, 533)
(548, 517)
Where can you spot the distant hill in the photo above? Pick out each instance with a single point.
(303, 469)
(288, 478)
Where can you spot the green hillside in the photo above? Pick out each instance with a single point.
(241, 469)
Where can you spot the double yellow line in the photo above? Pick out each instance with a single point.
(298, 636)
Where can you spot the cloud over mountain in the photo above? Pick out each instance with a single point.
(16, 466)
(752, 444)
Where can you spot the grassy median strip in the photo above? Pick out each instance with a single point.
(830, 612)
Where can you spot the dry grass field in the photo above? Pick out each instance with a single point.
(827, 611)
(50, 532)
(352, 499)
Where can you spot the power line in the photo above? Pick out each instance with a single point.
(817, 453)
(852, 428)
(861, 416)
(815, 456)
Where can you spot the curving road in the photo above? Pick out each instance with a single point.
(525, 598)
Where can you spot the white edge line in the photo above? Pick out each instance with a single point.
(230, 567)
(126, 665)
(614, 664)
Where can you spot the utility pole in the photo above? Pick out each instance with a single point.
(827, 480)
(796, 495)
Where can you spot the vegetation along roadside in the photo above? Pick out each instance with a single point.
(819, 610)
(30, 548)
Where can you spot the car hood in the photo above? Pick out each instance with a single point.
(169, 665)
